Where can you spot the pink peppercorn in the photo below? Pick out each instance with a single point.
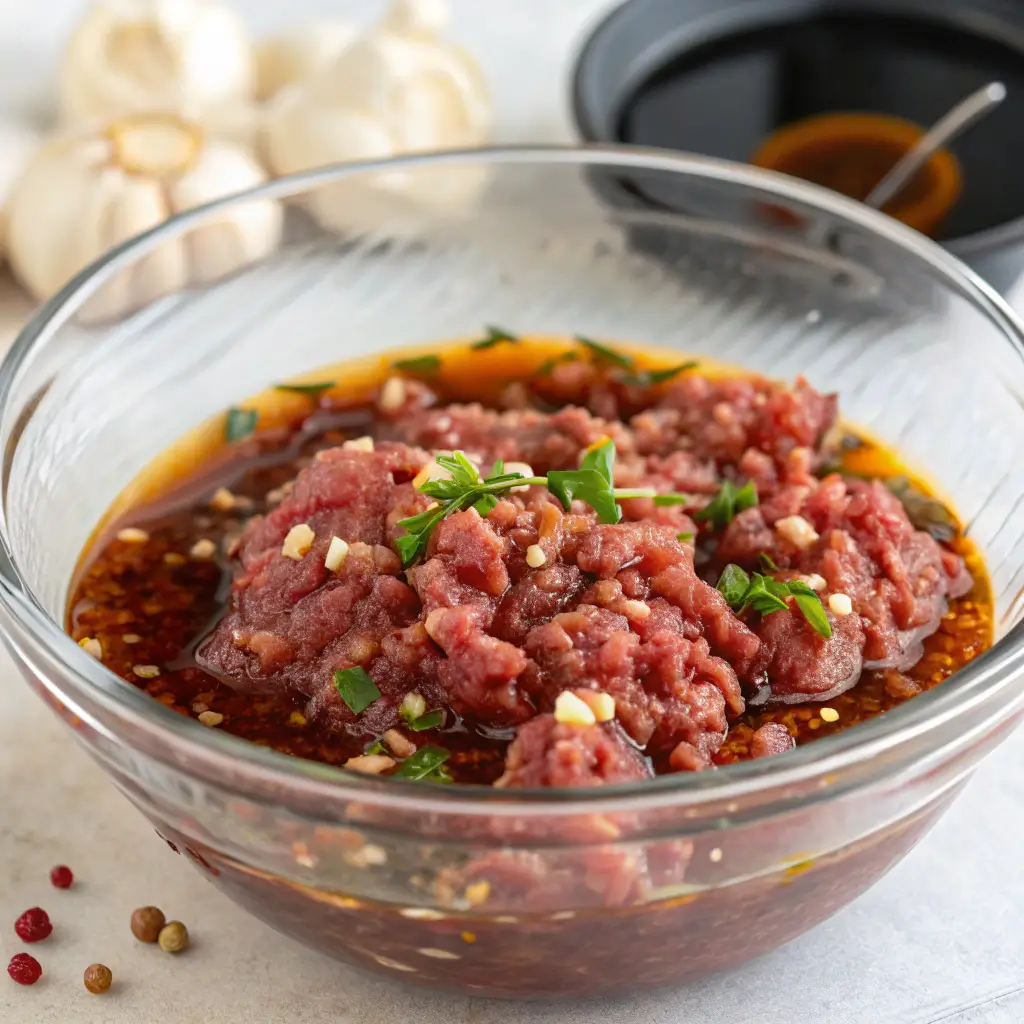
(34, 925)
(61, 877)
(24, 969)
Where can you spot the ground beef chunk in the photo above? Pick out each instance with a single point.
(719, 419)
(545, 441)
(545, 753)
(292, 623)
(771, 739)
(804, 665)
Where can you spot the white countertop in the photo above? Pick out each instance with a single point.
(939, 939)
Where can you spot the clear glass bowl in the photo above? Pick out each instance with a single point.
(737, 264)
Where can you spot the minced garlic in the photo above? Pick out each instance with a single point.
(797, 531)
(829, 715)
(132, 535)
(392, 394)
(370, 764)
(535, 556)
(223, 500)
(840, 604)
(146, 671)
(211, 718)
(570, 710)
(91, 646)
(337, 552)
(298, 542)
(359, 444)
(203, 549)
(602, 704)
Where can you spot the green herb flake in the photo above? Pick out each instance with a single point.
(376, 747)
(495, 336)
(314, 390)
(766, 595)
(603, 354)
(767, 562)
(418, 365)
(549, 364)
(240, 424)
(356, 688)
(686, 537)
(431, 720)
(425, 764)
(649, 378)
(730, 500)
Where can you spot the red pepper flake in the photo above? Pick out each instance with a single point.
(24, 969)
(61, 877)
(34, 925)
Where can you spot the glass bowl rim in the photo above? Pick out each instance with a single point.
(971, 686)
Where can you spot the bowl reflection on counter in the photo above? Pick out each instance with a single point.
(518, 894)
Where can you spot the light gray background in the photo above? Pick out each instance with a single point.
(940, 939)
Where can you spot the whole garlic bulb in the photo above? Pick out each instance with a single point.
(81, 195)
(299, 54)
(399, 89)
(17, 142)
(182, 56)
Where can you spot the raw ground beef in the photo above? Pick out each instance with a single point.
(627, 610)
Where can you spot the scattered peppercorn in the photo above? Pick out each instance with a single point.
(24, 969)
(61, 877)
(97, 979)
(173, 937)
(147, 922)
(34, 925)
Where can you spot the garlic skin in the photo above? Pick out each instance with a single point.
(184, 56)
(80, 195)
(399, 89)
(17, 143)
(294, 56)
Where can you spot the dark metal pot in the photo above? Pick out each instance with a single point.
(641, 37)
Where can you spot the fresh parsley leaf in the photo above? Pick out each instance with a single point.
(588, 485)
(356, 688)
(424, 763)
(418, 529)
(419, 364)
(604, 354)
(549, 364)
(601, 457)
(240, 424)
(722, 508)
(648, 378)
(766, 595)
(733, 585)
(461, 470)
(685, 537)
(376, 747)
(665, 500)
(495, 336)
(314, 390)
(485, 504)
(431, 720)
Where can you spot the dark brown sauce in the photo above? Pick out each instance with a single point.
(149, 602)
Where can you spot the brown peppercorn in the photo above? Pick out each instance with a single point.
(147, 922)
(173, 937)
(97, 979)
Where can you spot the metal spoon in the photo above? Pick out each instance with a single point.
(965, 114)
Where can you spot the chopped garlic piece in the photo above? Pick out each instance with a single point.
(602, 704)
(337, 552)
(635, 611)
(91, 646)
(797, 531)
(146, 671)
(815, 582)
(716, 855)
(223, 500)
(840, 604)
(203, 549)
(829, 715)
(211, 718)
(570, 710)
(298, 542)
(519, 467)
(477, 892)
(399, 745)
(131, 638)
(431, 471)
(535, 556)
(432, 623)
(370, 764)
(359, 444)
(132, 535)
(392, 394)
